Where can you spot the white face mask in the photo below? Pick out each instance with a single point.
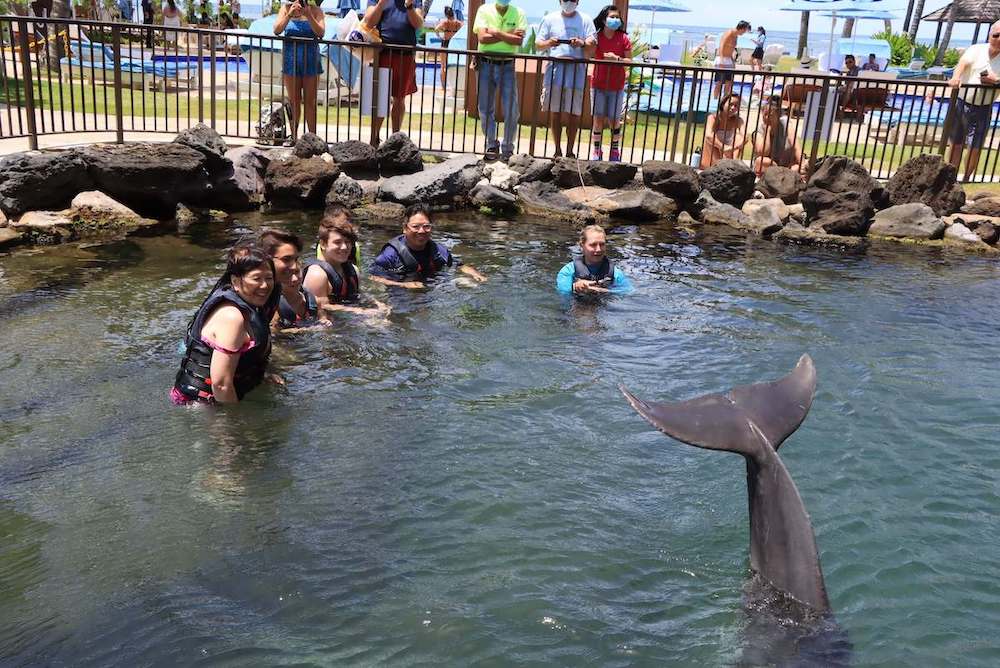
(568, 6)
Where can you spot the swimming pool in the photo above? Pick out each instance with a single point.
(465, 485)
(221, 63)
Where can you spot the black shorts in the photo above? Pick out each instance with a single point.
(758, 53)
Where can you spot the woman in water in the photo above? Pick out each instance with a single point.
(228, 342)
(593, 272)
(297, 306)
(333, 279)
(300, 59)
(725, 135)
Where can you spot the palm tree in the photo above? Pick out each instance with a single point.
(803, 33)
(426, 7)
(56, 46)
(943, 46)
(848, 27)
(918, 10)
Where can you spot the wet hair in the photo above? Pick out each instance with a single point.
(337, 223)
(244, 257)
(602, 18)
(587, 230)
(743, 25)
(415, 209)
(271, 240)
(449, 13)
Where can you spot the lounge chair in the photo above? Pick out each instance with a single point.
(96, 61)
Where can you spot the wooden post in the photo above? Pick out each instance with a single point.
(937, 35)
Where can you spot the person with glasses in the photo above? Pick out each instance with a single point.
(410, 259)
(978, 67)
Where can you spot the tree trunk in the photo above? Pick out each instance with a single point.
(943, 46)
(803, 33)
(426, 7)
(918, 10)
(888, 26)
(848, 28)
(55, 47)
(906, 19)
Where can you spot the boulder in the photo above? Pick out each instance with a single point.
(764, 221)
(35, 180)
(9, 237)
(541, 198)
(45, 227)
(369, 189)
(983, 206)
(837, 199)
(780, 209)
(685, 219)
(960, 233)
(571, 173)
(299, 182)
(493, 198)
(530, 169)
(729, 181)
(308, 146)
(444, 184)
(94, 211)
(187, 216)
(928, 179)
(346, 191)
(381, 211)
(907, 221)
(782, 183)
(610, 174)
(811, 236)
(677, 181)
(708, 210)
(988, 232)
(637, 206)
(355, 158)
(206, 141)
(398, 155)
(248, 166)
(501, 176)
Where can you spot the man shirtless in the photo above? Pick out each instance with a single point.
(725, 59)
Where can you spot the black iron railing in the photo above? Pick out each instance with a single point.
(66, 77)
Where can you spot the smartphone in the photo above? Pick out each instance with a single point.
(605, 282)
(565, 41)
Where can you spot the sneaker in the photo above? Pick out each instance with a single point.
(597, 155)
(570, 155)
(492, 153)
(615, 155)
(505, 156)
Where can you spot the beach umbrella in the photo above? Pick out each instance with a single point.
(834, 7)
(658, 6)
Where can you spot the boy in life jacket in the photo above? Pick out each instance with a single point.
(333, 279)
(593, 272)
(410, 259)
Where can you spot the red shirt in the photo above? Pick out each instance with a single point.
(611, 77)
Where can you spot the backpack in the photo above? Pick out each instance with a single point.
(275, 117)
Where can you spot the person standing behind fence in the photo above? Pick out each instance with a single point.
(757, 57)
(446, 29)
(608, 81)
(980, 64)
(171, 19)
(725, 59)
(564, 34)
(500, 29)
(397, 22)
(300, 59)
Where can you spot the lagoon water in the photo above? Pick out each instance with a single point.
(465, 485)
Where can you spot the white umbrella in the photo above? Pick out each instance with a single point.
(659, 6)
(836, 8)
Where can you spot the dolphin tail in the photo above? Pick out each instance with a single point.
(741, 419)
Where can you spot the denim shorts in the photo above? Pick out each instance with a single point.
(608, 103)
(970, 124)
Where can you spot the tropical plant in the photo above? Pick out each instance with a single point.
(929, 55)
(901, 46)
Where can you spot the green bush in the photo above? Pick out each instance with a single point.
(902, 47)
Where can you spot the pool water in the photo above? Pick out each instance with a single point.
(464, 484)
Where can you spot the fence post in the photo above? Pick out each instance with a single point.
(201, 80)
(29, 96)
(820, 118)
(373, 137)
(116, 48)
(211, 80)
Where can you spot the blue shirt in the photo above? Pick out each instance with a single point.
(555, 24)
(389, 265)
(619, 286)
(395, 25)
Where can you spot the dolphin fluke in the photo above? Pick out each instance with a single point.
(737, 420)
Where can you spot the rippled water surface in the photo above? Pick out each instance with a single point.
(466, 485)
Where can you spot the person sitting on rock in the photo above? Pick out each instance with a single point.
(773, 143)
(725, 133)
(593, 272)
(410, 259)
(333, 279)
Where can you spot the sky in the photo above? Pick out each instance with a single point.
(759, 12)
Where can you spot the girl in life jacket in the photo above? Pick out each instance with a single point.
(228, 341)
(593, 272)
(334, 279)
(297, 307)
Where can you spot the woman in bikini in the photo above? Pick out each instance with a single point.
(725, 132)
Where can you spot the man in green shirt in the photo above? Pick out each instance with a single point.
(500, 29)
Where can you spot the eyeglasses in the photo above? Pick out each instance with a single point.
(420, 228)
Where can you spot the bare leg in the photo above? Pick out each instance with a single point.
(309, 85)
(555, 122)
(971, 162)
(398, 109)
(293, 86)
(572, 123)
(955, 156)
(597, 135)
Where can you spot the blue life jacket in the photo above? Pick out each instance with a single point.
(194, 377)
(342, 289)
(583, 272)
(411, 266)
(287, 317)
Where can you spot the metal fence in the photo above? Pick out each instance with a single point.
(67, 77)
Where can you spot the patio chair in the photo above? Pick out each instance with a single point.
(793, 97)
(96, 61)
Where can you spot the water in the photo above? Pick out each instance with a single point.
(465, 485)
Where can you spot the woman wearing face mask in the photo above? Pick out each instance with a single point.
(608, 81)
(228, 341)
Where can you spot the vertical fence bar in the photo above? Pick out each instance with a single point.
(211, 79)
(29, 96)
(116, 49)
(201, 80)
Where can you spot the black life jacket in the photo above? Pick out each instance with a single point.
(583, 272)
(440, 257)
(342, 290)
(287, 317)
(194, 378)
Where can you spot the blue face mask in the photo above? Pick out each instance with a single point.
(613, 23)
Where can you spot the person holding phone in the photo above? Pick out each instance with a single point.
(979, 67)
(593, 272)
(300, 58)
(564, 35)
